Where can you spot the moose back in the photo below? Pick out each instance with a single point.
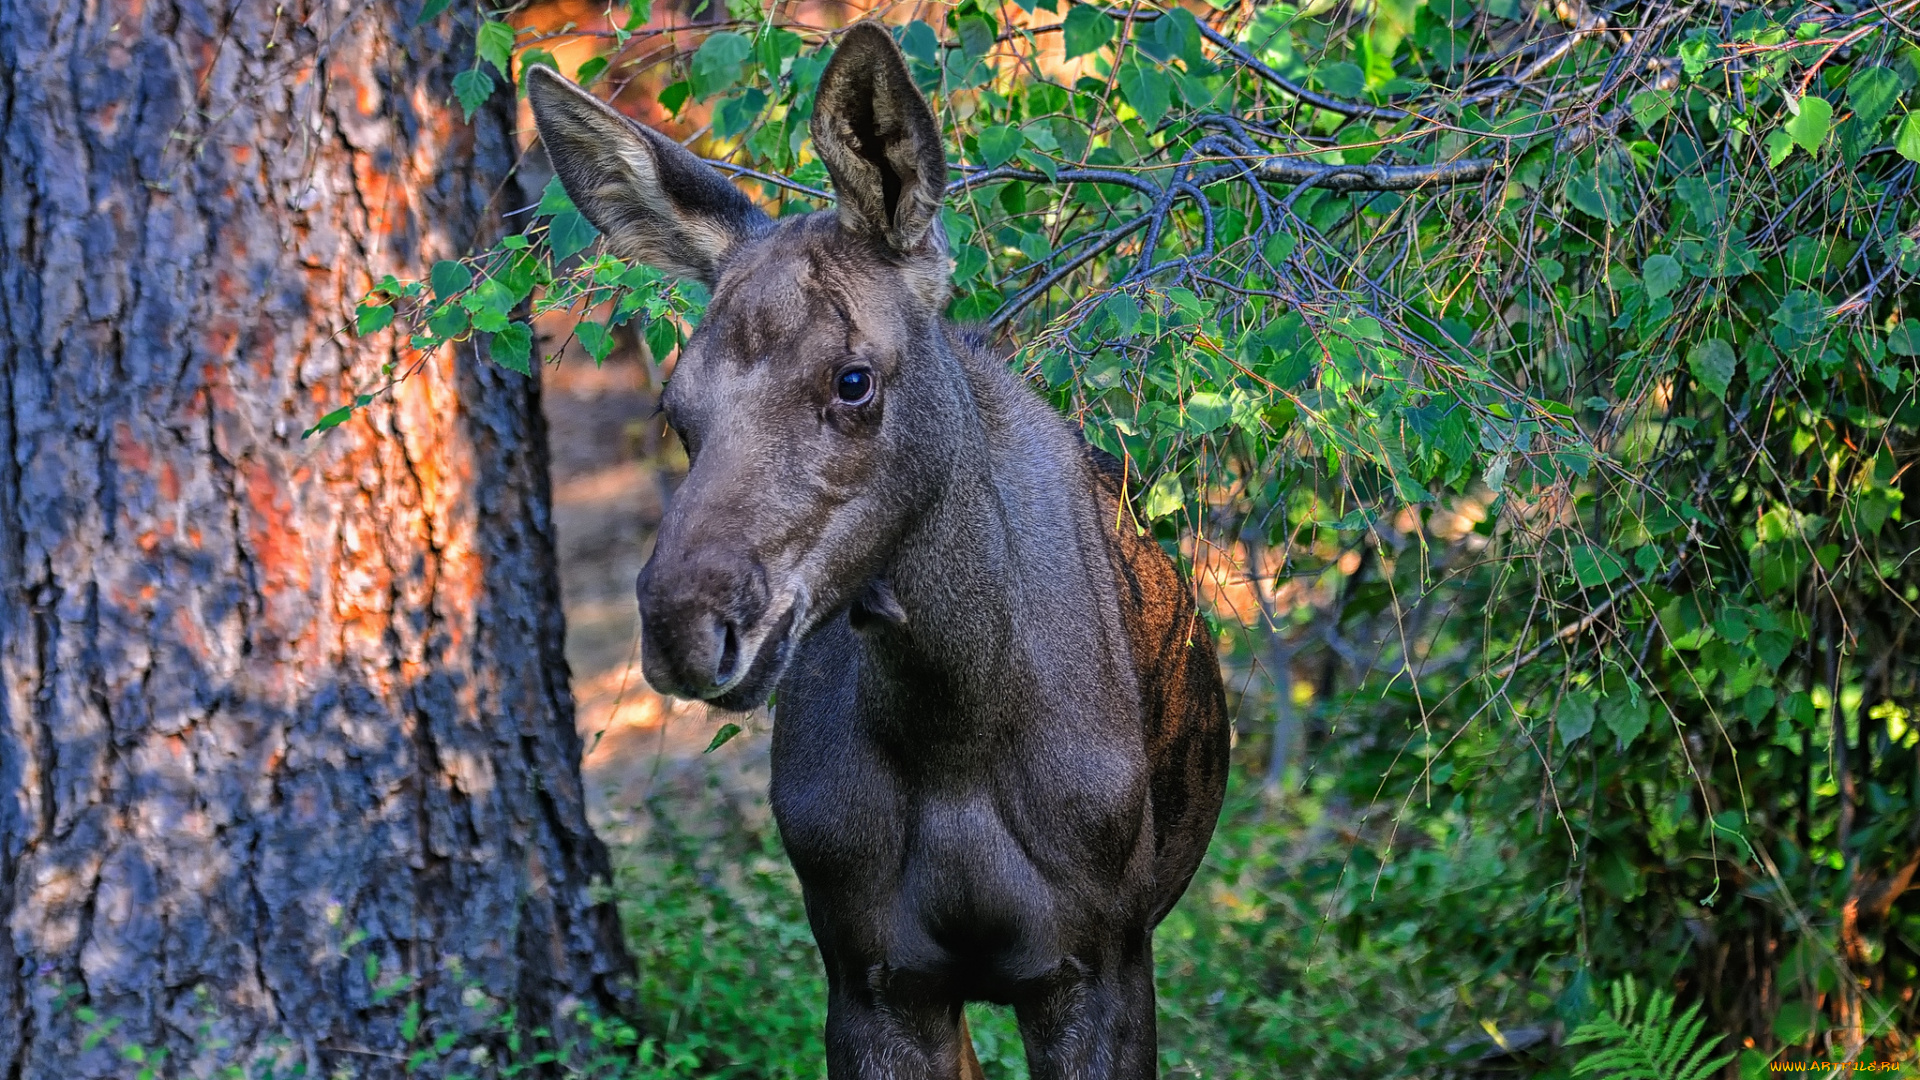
(1000, 737)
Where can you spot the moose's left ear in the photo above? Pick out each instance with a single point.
(879, 141)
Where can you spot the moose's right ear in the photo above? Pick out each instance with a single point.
(656, 202)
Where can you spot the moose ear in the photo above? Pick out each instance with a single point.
(655, 201)
(879, 141)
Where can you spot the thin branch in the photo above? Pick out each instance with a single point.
(1350, 109)
(1039, 288)
(770, 178)
(1340, 179)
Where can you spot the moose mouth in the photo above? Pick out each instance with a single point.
(750, 687)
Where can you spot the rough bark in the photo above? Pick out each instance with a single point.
(269, 708)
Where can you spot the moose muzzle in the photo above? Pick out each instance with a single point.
(703, 619)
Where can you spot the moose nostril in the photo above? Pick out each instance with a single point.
(729, 655)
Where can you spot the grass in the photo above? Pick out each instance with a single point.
(1295, 952)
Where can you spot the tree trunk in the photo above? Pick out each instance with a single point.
(286, 741)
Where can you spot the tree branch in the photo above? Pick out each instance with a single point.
(1341, 179)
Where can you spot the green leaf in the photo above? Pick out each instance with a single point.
(1904, 339)
(448, 322)
(675, 96)
(330, 421)
(998, 144)
(569, 233)
(532, 58)
(1872, 93)
(512, 348)
(371, 318)
(1163, 498)
(662, 338)
(1625, 716)
(722, 737)
(1147, 90)
(472, 87)
(1086, 29)
(922, 44)
(1341, 79)
(1809, 128)
(716, 67)
(968, 261)
(1124, 312)
(430, 11)
(1651, 106)
(1662, 274)
(1794, 1022)
(495, 46)
(449, 277)
(1207, 411)
(1712, 363)
(1802, 312)
(1695, 54)
(591, 70)
(1906, 137)
(595, 339)
(737, 113)
(1595, 566)
(775, 47)
(1779, 144)
(553, 199)
(976, 35)
(1592, 192)
(1576, 717)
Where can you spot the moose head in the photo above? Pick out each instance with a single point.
(818, 400)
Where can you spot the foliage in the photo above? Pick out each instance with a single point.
(1253, 979)
(464, 299)
(1546, 375)
(1651, 1046)
(488, 1041)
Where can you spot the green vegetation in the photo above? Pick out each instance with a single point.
(1289, 956)
(1532, 390)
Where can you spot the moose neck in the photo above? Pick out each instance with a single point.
(1001, 579)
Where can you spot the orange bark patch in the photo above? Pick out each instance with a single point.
(222, 335)
(277, 545)
(221, 394)
(106, 119)
(129, 451)
(376, 189)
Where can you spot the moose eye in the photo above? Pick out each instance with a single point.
(854, 386)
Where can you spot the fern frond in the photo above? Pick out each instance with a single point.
(1647, 1043)
(1680, 1034)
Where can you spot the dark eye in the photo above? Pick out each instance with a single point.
(854, 386)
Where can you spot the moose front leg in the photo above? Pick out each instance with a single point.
(1093, 1020)
(890, 1026)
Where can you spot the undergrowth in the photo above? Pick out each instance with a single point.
(1299, 951)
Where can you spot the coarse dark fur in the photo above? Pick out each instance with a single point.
(1000, 739)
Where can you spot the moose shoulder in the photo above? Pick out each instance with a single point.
(1000, 742)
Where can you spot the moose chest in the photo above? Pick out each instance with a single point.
(987, 858)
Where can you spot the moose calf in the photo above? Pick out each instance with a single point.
(1000, 737)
